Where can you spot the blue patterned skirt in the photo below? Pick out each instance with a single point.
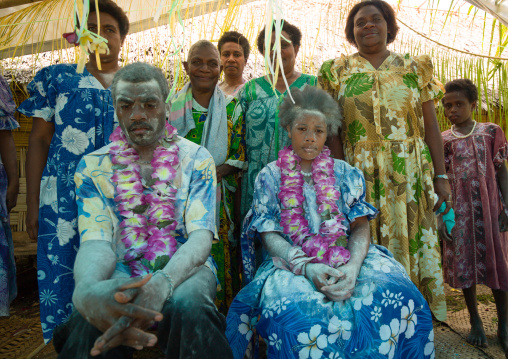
(387, 317)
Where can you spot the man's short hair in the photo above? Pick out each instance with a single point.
(237, 38)
(202, 44)
(111, 8)
(140, 72)
(295, 35)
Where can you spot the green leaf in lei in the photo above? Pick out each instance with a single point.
(399, 163)
(416, 243)
(140, 209)
(410, 80)
(355, 131)
(160, 262)
(357, 84)
(379, 189)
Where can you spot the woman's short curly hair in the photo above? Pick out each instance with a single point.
(466, 86)
(111, 8)
(295, 35)
(384, 8)
(237, 38)
(310, 101)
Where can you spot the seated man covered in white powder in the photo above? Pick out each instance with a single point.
(146, 220)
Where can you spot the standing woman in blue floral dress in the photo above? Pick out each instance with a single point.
(9, 187)
(72, 115)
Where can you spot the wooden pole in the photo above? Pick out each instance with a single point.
(4, 4)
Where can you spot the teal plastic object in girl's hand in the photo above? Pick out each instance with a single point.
(448, 219)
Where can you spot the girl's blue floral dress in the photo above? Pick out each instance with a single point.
(386, 317)
(82, 111)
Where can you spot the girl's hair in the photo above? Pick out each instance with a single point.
(237, 38)
(384, 8)
(295, 35)
(310, 101)
(466, 86)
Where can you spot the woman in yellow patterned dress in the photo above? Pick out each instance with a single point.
(390, 131)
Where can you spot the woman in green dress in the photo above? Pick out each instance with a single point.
(264, 136)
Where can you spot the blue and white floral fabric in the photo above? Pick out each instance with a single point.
(386, 317)
(82, 112)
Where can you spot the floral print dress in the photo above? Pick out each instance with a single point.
(8, 288)
(478, 253)
(83, 115)
(383, 135)
(224, 250)
(386, 317)
(264, 136)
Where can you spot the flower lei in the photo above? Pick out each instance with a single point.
(148, 220)
(328, 245)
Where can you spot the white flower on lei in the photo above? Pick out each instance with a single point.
(383, 264)
(390, 336)
(75, 141)
(398, 133)
(48, 195)
(339, 329)
(275, 341)
(334, 356)
(375, 314)
(314, 343)
(365, 297)
(429, 347)
(64, 231)
(246, 326)
(408, 319)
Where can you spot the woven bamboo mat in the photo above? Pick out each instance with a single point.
(19, 336)
(459, 322)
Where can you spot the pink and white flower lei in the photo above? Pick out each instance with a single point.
(148, 220)
(325, 245)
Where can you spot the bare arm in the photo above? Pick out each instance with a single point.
(275, 245)
(225, 170)
(434, 140)
(8, 153)
(36, 158)
(502, 180)
(93, 296)
(358, 245)
(187, 259)
(335, 145)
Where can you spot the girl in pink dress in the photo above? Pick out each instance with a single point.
(476, 252)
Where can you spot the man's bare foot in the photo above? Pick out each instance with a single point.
(477, 335)
(502, 334)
